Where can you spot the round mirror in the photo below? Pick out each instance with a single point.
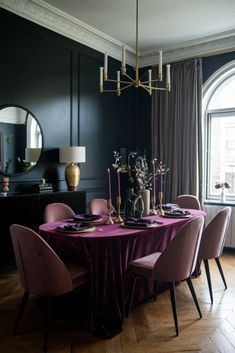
(20, 140)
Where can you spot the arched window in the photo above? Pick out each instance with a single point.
(219, 128)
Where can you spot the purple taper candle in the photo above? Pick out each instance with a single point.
(109, 184)
(118, 181)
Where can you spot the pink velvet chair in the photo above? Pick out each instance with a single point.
(212, 243)
(175, 264)
(57, 211)
(99, 207)
(41, 271)
(188, 201)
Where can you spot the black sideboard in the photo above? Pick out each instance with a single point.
(27, 210)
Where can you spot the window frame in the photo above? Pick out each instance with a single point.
(209, 89)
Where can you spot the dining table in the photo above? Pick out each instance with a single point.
(107, 250)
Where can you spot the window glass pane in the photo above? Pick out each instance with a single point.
(224, 96)
(221, 161)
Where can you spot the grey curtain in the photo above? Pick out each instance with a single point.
(177, 130)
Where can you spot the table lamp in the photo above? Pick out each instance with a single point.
(72, 155)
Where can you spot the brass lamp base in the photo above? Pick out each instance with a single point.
(72, 176)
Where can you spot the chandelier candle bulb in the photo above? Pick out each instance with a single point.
(101, 76)
(150, 79)
(118, 82)
(160, 65)
(105, 67)
(123, 57)
(168, 76)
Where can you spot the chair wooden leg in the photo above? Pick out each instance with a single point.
(190, 285)
(155, 291)
(221, 271)
(131, 297)
(46, 323)
(173, 304)
(21, 310)
(206, 263)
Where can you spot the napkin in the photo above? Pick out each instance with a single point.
(177, 213)
(74, 227)
(86, 217)
(139, 222)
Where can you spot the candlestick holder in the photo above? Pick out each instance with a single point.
(153, 210)
(118, 219)
(109, 206)
(160, 211)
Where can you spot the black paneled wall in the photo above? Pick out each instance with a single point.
(57, 79)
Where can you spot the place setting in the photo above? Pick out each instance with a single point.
(176, 213)
(80, 223)
(140, 223)
(76, 228)
(87, 218)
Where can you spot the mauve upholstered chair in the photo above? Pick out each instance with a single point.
(41, 271)
(175, 264)
(57, 211)
(212, 243)
(188, 201)
(99, 207)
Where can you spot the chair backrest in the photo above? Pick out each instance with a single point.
(188, 201)
(41, 271)
(99, 206)
(214, 235)
(57, 211)
(178, 261)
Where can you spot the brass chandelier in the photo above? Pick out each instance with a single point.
(128, 81)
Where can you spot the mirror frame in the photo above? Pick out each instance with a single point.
(39, 159)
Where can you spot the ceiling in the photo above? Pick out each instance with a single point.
(181, 28)
(163, 24)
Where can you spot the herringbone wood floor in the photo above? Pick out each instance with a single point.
(149, 328)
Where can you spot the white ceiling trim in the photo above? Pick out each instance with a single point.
(48, 16)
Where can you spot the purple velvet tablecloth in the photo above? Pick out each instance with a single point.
(107, 251)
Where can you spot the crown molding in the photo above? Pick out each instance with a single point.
(206, 46)
(49, 17)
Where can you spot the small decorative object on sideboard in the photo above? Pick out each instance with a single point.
(44, 186)
(222, 186)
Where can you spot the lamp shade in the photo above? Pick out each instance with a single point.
(32, 154)
(73, 154)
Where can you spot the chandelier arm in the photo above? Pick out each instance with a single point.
(126, 82)
(130, 78)
(127, 86)
(156, 80)
(110, 80)
(116, 81)
(146, 88)
(154, 88)
(110, 90)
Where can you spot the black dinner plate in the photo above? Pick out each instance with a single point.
(139, 225)
(177, 214)
(75, 228)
